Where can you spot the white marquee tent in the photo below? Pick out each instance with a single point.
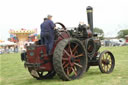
(6, 43)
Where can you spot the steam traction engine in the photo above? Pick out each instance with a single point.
(73, 53)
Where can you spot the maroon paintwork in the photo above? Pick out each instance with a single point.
(63, 35)
(37, 54)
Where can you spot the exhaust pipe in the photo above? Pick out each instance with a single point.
(90, 17)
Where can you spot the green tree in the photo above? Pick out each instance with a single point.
(122, 33)
(100, 32)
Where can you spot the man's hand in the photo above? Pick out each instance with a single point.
(55, 27)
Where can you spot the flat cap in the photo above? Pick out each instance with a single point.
(49, 15)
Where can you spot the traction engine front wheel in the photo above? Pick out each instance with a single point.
(70, 59)
(106, 62)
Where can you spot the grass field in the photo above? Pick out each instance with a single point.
(12, 72)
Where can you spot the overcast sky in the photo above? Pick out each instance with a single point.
(109, 15)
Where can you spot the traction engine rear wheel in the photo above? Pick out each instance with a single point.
(70, 59)
(106, 62)
(39, 75)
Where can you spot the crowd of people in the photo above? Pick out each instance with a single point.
(8, 49)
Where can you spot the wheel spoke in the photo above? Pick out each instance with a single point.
(77, 60)
(103, 57)
(69, 47)
(78, 65)
(74, 49)
(110, 58)
(67, 53)
(107, 55)
(75, 68)
(110, 62)
(66, 65)
(89, 47)
(102, 64)
(104, 67)
(80, 55)
(75, 52)
(68, 71)
(65, 59)
(107, 68)
(74, 71)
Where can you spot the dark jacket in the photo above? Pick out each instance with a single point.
(47, 25)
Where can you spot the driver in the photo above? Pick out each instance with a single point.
(47, 33)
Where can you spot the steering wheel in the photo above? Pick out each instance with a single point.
(62, 26)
